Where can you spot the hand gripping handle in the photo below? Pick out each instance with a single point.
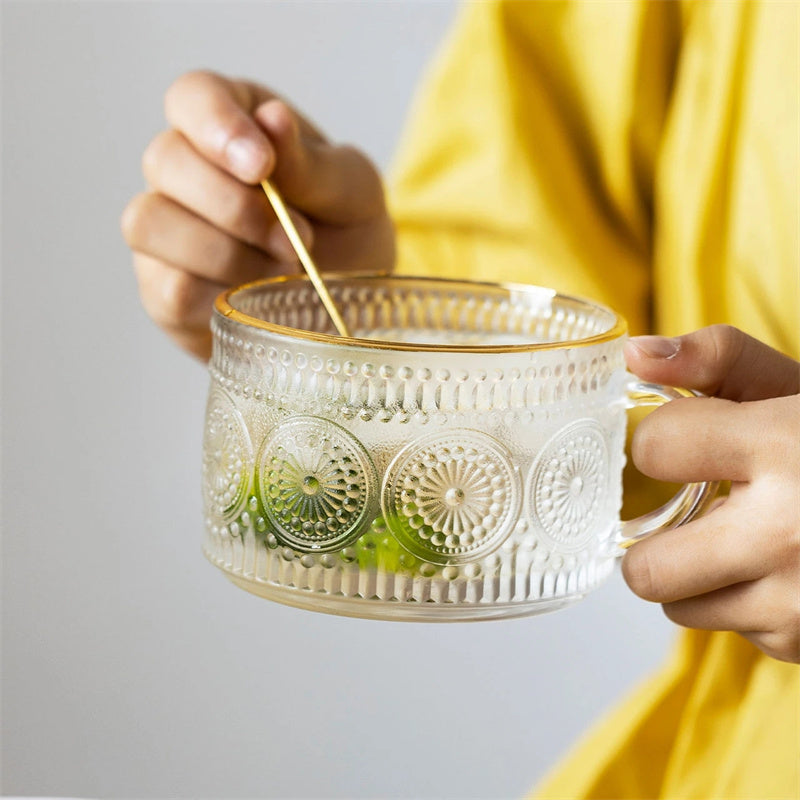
(692, 498)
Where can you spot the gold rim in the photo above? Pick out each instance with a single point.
(223, 307)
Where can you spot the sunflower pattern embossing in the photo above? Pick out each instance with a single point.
(317, 484)
(227, 458)
(452, 498)
(568, 482)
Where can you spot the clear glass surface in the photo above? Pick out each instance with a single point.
(460, 459)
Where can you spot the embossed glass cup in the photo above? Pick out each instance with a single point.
(459, 458)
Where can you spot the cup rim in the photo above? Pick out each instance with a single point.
(223, 307)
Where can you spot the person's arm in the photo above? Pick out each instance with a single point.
(205, 224)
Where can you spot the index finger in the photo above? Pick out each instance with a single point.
(214, 114)
(701, 439)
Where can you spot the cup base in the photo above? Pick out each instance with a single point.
(506, 585)
(398, 610)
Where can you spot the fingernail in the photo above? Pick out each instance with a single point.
(657, 346)
(248, 158)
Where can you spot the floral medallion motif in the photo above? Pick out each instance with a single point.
(452, 498)
(568, 482)
(227, 458)
(317, 484)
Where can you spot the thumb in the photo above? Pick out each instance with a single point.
(331, 183)
(720, 361)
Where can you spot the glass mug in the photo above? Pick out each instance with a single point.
(459, 458)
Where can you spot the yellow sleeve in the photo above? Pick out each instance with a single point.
(720, 721)
(531, 153)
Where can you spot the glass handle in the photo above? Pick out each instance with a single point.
(691, 500)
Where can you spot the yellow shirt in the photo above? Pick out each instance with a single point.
(644, 154)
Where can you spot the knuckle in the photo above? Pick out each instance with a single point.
(779, 526)
(169, 297)
(157, 152)
(639, 574)
(776, 419)
(178, 297)
(188, 83)
(728, 343)
(242, 214)
(726, 337)
(675, 612)
(135, 218)
(224, 253)
(646, 445)
(783, 644)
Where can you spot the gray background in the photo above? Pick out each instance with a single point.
(130, 667)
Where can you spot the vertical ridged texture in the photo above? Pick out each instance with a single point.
(497, 475)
